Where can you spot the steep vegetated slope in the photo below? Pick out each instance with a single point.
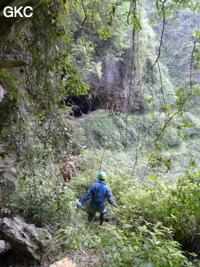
(135, 134)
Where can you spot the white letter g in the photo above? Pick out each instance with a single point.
(9, 13)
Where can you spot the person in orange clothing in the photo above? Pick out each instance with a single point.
(66, 170)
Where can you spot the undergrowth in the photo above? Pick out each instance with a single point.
(152, 225)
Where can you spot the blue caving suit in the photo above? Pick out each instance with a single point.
(98, 192)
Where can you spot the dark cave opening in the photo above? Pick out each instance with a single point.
(84, 104)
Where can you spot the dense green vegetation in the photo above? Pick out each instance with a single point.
(153, 215)
(147, 141)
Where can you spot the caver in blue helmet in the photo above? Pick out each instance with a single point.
(102, 176)
(98, 193)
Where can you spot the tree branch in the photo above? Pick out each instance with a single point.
(161, 41)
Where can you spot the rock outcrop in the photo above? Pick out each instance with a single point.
(2, 93)
(2, 246)
(12, 58)
(8, 180)
(26, 240)
(66, 262)
(8, 183)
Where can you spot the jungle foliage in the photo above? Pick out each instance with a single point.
(155, 220)
(147, 141)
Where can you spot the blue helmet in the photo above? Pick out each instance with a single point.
(102, 176)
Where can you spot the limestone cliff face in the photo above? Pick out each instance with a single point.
(12, 55)
(12, 58)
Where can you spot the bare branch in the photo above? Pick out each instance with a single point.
(161, 41)
(84, 10)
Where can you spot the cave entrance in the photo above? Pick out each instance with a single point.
(84, 104)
